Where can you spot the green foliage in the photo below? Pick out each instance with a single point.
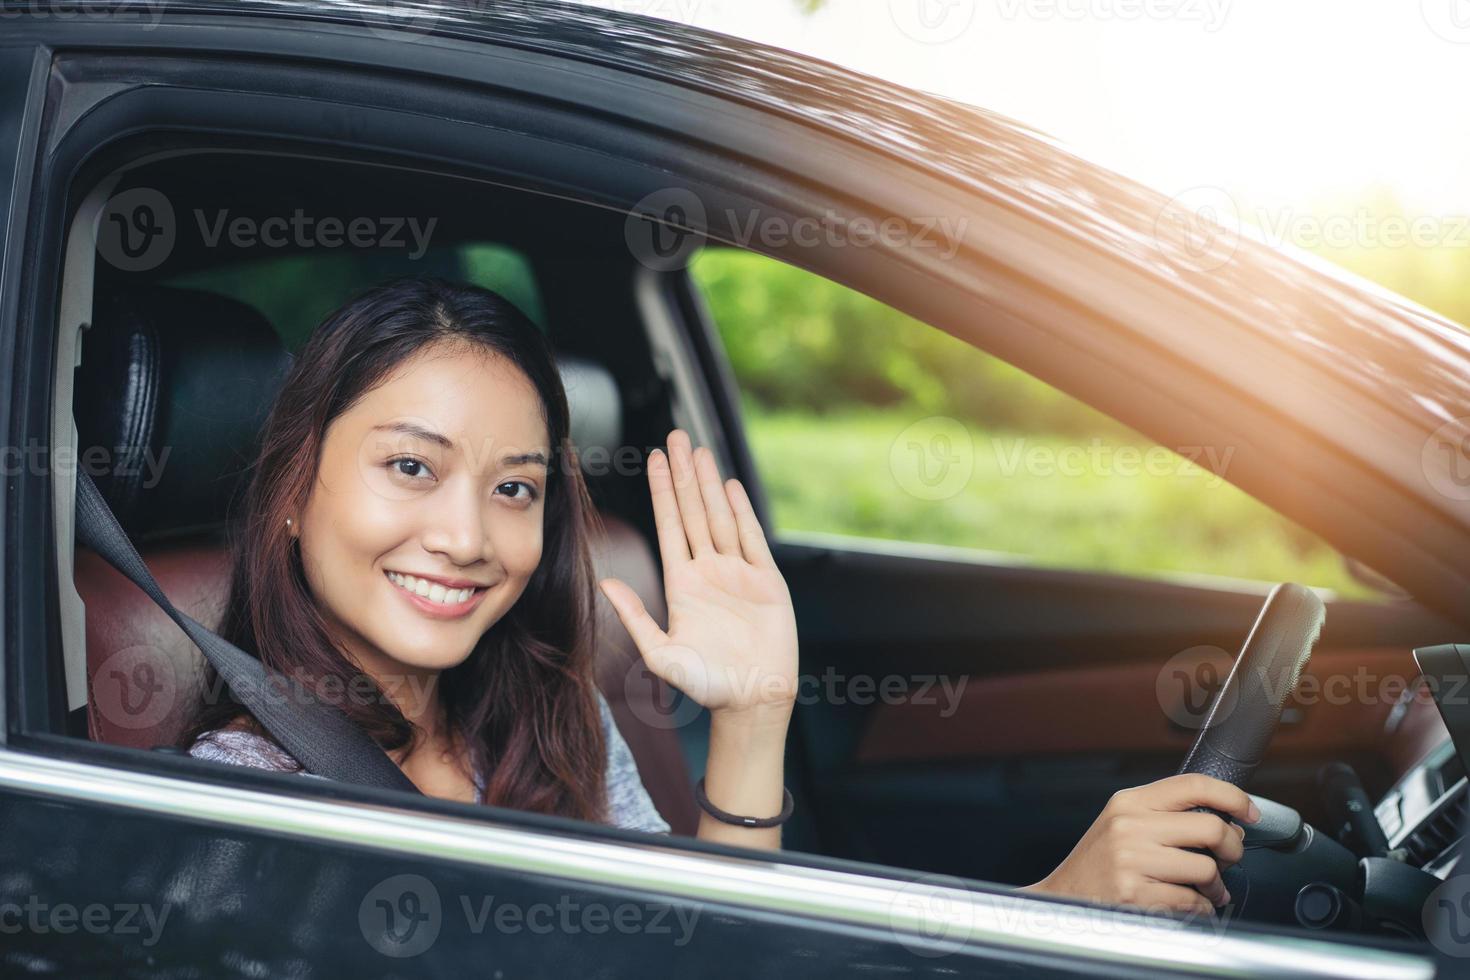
(297, 292)
(830, 378)
(797, 341)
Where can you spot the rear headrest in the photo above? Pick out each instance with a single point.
(596, 409)
(174, 387)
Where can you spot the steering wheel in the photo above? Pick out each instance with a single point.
(1233, 740)
(1244, 715)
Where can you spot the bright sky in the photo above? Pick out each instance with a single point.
(1279, 101)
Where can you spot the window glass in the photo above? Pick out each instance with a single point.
(865, 422)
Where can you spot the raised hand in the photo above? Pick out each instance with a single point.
(731, 643)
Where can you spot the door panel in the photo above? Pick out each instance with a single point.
(1027, 697)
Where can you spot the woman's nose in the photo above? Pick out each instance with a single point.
(457, 526)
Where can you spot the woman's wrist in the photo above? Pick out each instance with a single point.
(744, 773)
(766, 718)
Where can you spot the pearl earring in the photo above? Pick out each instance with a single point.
(288, 522)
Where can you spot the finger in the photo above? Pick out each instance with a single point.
(1224, 840)
(1198, 871)
(647, 636)
(1162, 897)
(752, 536)
(1194, 789)
(672, 546)
(722, 529)
(686, 490)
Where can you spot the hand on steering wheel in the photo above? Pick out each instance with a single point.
(1162, 846)
(1134, 853)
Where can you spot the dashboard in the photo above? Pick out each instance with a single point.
(1423, 815)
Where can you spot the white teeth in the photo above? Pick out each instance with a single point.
(432, 591)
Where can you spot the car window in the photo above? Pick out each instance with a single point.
(867, 423)
(295, 292)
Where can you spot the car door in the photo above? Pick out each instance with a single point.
(1012, 606)
(135, 863)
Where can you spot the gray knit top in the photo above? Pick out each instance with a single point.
(628, 803)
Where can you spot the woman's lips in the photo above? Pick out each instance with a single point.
(429, 607)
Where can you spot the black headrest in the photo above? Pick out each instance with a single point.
(172, 390)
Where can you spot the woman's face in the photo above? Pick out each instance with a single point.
(424, 523)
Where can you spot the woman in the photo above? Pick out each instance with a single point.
(416, 528)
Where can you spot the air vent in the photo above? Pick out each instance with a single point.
(1440, 832)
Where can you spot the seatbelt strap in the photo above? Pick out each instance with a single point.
(321, 737)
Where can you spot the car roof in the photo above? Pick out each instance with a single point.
(1407, 358)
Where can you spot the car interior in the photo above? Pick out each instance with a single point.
(178, 363)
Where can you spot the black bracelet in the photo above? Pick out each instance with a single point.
(730, 818)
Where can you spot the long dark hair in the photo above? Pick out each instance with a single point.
(524, 701)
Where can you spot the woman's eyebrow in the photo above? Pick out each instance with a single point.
(429, 435)
(418, 431)
(518, 459)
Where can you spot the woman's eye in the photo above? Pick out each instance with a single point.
(530, 491)
(407, 466)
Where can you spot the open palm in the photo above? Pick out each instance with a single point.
(731, 641)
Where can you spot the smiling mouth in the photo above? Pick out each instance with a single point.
(434, 595)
